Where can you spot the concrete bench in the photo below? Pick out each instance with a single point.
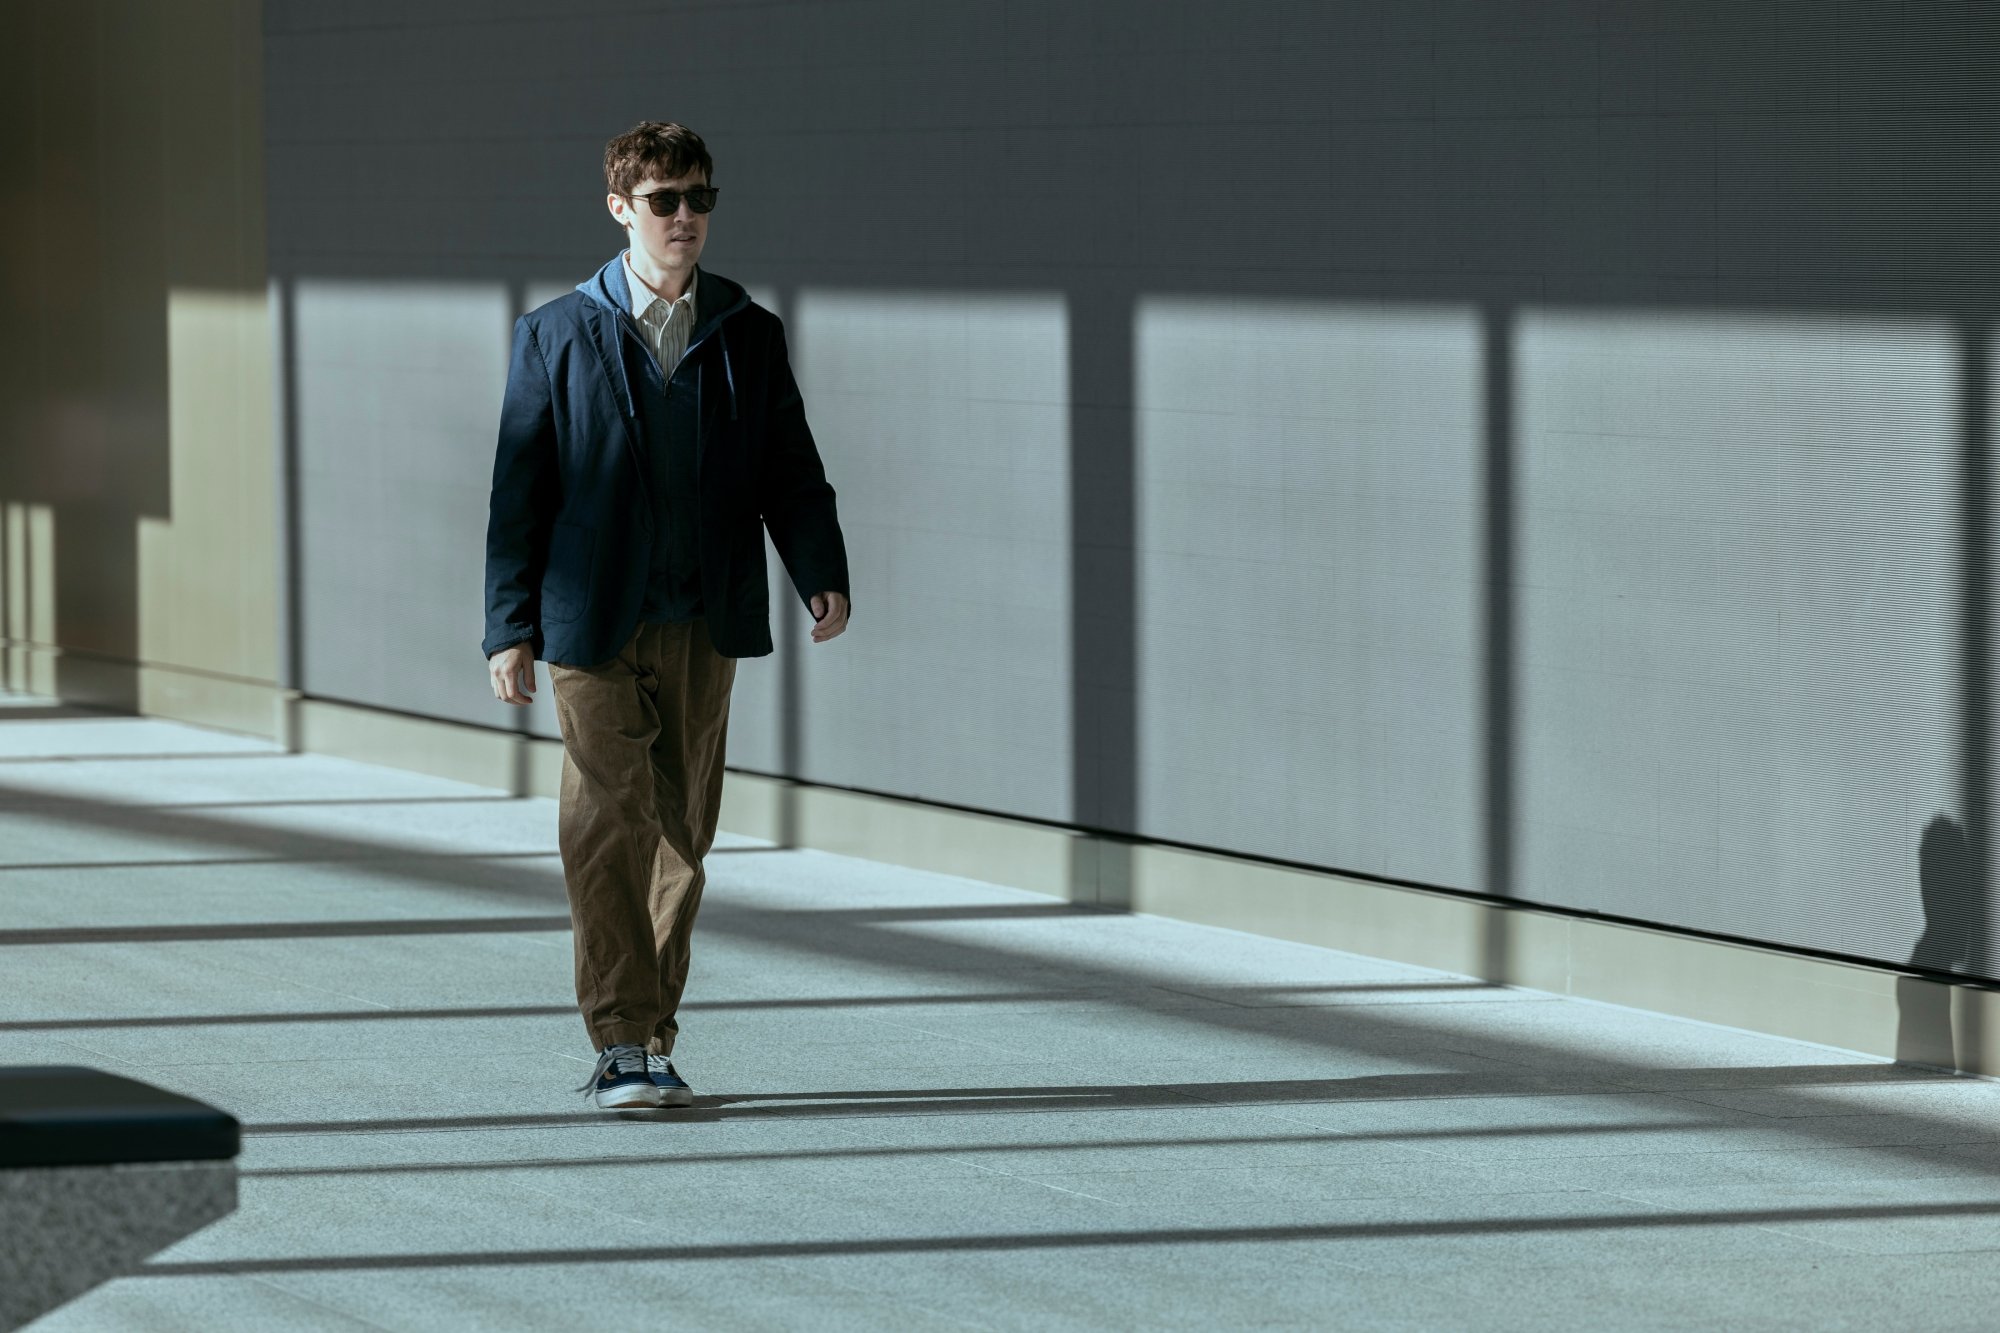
(97, 1174)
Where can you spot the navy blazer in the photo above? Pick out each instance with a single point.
(570, 525)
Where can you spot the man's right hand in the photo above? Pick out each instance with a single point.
(513, 673)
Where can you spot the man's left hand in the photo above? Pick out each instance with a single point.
(829, 615)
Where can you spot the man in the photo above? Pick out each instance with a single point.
(651, 432)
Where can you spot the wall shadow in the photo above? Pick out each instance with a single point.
(87, 434)
(57, 712)
(1954, 936)
(1103, 592)
(1498, 616)
(281, 930)
(1509, 1058)
(1604, 158)
(1001, 1242)
(1973, 899)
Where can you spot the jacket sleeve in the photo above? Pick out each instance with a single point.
(522, 507)
(794, 497)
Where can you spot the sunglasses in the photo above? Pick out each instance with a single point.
(666, 203)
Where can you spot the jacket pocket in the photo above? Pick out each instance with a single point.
(566, 580)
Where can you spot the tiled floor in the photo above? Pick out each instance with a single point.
(922, 1101)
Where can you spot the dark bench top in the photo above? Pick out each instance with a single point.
(70, 1115)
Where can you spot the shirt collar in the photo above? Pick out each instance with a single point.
(644, 296)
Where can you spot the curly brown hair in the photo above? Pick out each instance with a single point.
(655, 148)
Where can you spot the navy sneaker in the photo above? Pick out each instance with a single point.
(620, 1082)
(674, 1090)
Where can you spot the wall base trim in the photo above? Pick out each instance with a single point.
(1872, 1010)
(149, 689)
(519, 764)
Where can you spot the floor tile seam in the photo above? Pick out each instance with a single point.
(1790, 1230)
(1422, 981)
(1525, 1186)
(1973, 1137)
(1143, 1239)
(703, 1169)
(28, 797)
(1090, 1070)
(873, 1020)
(600, 1207)
(195, 862)
(1394, 1196)
(1681, 1095)
(1516, 1001)
(1929, 1111)
(1391, 1005)
(1035, 1177)
(868, 1116)
(1038, 1184)
(178, 1062)
(797, 1264)
(593, 1121)
(1915, 1079)
(1271, 1107)
(313, 987)
(862, 1145)
(1560, 1089)
(1900, 1196)
(1149, 1213)
(1541, 1165)
(96, 1054)
(529, 1047)
(974, 1155)
(605, 1208)
(1924, 1253)
(1767, 1151)
(463, 940)
(17, 763)
(1834, 1247)
(272, 1281)
(996, 1109)
(1803, 1125)
(356, 1023)
(801, 1268)
(1397, 1135)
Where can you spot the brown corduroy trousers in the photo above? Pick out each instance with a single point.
(644, 736)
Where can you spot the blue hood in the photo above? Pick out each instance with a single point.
(715, 299)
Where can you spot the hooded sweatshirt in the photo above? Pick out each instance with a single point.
(668, 411)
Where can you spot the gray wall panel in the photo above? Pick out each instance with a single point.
(1527, 448)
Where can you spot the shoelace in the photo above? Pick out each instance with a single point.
(627, 1059)
(659, 1064)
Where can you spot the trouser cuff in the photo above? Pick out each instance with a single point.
(620, 1035)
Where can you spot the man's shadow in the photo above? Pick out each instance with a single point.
(1953, 942)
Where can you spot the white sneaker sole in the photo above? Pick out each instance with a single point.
(629, 1099)
(676, 1096)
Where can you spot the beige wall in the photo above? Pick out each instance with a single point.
(138, 483)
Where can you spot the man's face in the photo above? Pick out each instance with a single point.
(671, 242)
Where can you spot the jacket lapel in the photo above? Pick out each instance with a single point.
(709, 302)
(613, 346)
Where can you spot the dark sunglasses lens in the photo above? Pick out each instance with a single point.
(666, 203)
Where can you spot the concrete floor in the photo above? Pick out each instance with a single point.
(922, 1101)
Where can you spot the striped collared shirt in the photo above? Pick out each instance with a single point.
(666, 324)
